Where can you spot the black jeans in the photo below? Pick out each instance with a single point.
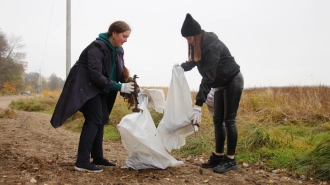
(96, 113)
(226, 103)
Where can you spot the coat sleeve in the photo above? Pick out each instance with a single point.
(187, 66)
(210, 63)
(95, 58)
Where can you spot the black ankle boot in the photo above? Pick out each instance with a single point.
(214, 161)
(227, 165)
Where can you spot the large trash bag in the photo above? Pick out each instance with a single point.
(142, 141)
(176, 125)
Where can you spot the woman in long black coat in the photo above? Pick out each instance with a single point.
(91, 87)
(218, 69)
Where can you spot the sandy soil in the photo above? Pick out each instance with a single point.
(33, 152)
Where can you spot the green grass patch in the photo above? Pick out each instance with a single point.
(316, 163)
(194, 146)
(36, 104)
(156, 116)
(111, 132)
(281, 158)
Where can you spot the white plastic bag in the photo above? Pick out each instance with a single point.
(210, 100)
(156, 99)
(142, 141)
(176, 125)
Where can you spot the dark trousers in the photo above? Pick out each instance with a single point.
(96, 112)
(226, 103)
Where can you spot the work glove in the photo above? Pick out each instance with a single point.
(127, 87)
(197, 115)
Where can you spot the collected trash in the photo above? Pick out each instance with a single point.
(132, 99)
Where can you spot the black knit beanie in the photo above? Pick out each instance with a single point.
(190, 27)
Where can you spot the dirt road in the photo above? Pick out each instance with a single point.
(33, 152)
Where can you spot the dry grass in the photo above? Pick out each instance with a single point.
(8, 113)
(286, 105)
(51, 94)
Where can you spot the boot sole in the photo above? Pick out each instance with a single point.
(210, 166)
(83, 169)
(102, 166)
(226, 170)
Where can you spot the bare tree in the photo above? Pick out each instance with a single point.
(12, 63)
(14, 46)
(44, 83)
(55, 82)
(31, 79)
(3, 45)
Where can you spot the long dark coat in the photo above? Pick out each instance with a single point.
(88, 77)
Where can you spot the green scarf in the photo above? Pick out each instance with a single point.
(105, 38)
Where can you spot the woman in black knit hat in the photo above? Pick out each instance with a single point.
(218, 69)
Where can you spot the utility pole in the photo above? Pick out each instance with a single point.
(68, 37)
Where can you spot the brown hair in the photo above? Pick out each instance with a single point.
(126, 74)
(195, 52)
(118, 27)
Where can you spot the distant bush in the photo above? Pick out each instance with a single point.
(8, 113)
(36, 104)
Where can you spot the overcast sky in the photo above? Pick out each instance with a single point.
(276, 42)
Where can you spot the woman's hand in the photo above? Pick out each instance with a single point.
(127, 87)
(197, 114)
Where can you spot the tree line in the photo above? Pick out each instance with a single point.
(13, 78)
